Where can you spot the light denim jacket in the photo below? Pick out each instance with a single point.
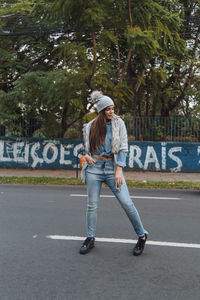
(119, 141)
(106, 148)
(119, 136)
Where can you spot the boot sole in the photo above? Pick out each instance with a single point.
(86, 250)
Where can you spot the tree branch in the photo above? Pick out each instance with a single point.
(88, 79)
(130, 50)
(38, 59)
(94, 52)
(138, 83)
(130, 15)
(126, 65)
(118, 55)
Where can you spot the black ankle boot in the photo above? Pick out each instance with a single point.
(139, 247)
(87, 245)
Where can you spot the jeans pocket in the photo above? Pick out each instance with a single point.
(92, 164)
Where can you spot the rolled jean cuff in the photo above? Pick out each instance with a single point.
(142, 235)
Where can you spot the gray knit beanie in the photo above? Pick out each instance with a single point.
(101, 101)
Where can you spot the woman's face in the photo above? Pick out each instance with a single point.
(109, 112)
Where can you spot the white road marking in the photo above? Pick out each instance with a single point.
(124, 241)
(134, 197)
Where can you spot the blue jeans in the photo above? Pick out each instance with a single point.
(96, 174)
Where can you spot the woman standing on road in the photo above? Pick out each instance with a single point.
(106, 144)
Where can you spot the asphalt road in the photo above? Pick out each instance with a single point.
(40, 228)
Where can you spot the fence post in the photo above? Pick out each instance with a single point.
(171, 130)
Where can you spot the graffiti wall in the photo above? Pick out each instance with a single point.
(170, 157)
(62, 154)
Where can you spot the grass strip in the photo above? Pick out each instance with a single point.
(184, 185)
(77, 181)
(40, 180)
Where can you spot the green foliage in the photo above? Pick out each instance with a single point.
(145, 56)
(50, 97)
(143, 42)
(89, 117)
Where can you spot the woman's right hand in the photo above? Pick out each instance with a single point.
(89, 160)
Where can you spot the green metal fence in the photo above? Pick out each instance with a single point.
(176, 128)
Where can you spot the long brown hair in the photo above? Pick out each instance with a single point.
(98, 131)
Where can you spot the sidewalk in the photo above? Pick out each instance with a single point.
(131, 175)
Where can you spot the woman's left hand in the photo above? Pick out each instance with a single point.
(118, 176)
